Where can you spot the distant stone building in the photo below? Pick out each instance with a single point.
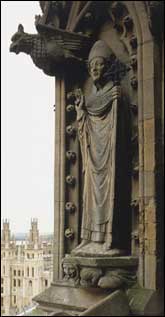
(26, 269)
(107, 58)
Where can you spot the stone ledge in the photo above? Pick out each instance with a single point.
(69, 298)
(114, 262)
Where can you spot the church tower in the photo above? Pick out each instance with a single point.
(34, 232)
(6, 234)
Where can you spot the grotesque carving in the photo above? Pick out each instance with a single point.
(69, 233)
(90, 276)
(97, 121)
(117, 278)
(70, 271)
(50, 53)
(70, 207)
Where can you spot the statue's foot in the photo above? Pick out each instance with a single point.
(80, 246)
(113, 252)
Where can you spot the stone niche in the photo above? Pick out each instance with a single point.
(121, 275)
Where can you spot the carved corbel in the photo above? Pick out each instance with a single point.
(70, 272)
(89, 276)
(118, 278)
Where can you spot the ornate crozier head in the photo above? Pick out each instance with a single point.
(100, 59)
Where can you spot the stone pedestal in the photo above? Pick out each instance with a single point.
(103, 272)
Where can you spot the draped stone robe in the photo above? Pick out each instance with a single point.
(97, 137)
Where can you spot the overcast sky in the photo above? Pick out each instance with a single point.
(27, 128)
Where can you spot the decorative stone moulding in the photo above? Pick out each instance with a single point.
(71, 156)
(69, 233)
(128, 22)
(134, 82)
(70, 207)
(71, 131)
(70, 108)
(70, 180)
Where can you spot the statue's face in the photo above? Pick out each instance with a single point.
(69, 270)
(97, 68)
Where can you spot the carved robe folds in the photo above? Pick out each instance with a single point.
(102, 139)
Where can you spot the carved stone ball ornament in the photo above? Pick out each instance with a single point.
(70, 180)
(133, 62)
(69, 233)
(71, 156)
(70, 108)
(70, 130)
(70, 207)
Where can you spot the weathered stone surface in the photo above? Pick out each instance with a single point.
(145, 302)
(110, 273)
(115, 304)
(124, 261)
(70, 298)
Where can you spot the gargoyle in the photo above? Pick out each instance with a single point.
(56, 49)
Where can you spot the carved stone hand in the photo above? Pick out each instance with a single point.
(79, 101)
(116, 92)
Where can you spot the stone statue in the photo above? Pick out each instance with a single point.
(98, 121)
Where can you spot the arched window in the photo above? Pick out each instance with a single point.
(27, 271)
(19, 283)
(46, 283)
(32, 271)
(15, 299)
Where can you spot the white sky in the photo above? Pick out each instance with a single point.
(27, 128)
